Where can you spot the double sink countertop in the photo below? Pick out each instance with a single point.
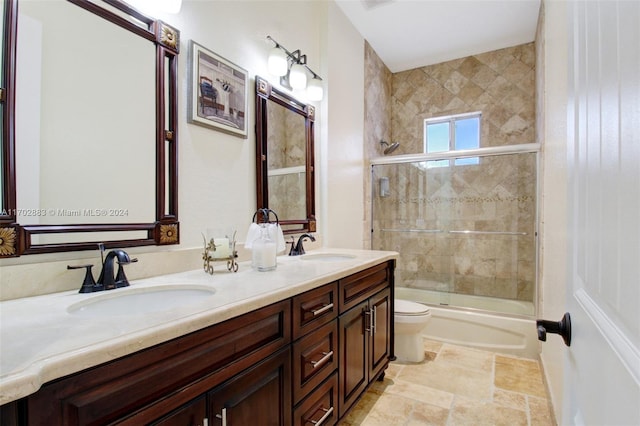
(43, 338)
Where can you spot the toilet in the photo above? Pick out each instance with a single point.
(410, 319)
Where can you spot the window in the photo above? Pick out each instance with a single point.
(452, 133)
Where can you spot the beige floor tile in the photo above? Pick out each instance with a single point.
(393, 370)
(540, 412)
(519, 375)
(427, 415)
(421, 393)
(449, 377)
(456, 386)
(482, 413)
(381, 410)
(510, 399)
(467, 357)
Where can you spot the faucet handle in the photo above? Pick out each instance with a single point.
(293, 245)
(121, 278)
(89, 284)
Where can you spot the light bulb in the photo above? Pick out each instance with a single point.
(315, 91)
(298, 77)
(277, 62)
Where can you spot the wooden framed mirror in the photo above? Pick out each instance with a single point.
(285, 158)
(89, 137)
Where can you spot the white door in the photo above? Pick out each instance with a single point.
(602, 366)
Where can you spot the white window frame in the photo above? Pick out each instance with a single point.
(451, 119)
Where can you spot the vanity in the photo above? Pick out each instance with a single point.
(298, 345)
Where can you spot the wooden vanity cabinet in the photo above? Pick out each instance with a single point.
(144, 387)
(302, 361)
(365, 331)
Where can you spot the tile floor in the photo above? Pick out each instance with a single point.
(454, 386)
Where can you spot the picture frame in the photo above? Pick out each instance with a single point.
(218, 92)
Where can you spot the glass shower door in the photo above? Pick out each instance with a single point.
(466, 233)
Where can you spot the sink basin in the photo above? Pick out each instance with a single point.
(328, 257)
(135, 301)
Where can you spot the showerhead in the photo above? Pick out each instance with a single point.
(389, 147)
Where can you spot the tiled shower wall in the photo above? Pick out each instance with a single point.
(378, 82)
(498, 195)
(500, 84)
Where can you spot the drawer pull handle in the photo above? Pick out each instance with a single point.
(327, 356)
(324, 309)
(223, 417)
(327, 413)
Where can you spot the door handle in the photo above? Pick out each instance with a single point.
(368, 322)
(562, 327)
(223, 416)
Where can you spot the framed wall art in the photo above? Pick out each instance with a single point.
(217, 92)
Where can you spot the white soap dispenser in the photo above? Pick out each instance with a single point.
(264, 251)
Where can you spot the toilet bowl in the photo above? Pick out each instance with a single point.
(410, 319)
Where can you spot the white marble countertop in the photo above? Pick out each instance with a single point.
(40, 340)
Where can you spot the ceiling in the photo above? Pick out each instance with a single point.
(408, 34)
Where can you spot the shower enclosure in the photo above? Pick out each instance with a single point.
(464, 225)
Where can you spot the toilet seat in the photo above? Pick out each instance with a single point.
(409, 308)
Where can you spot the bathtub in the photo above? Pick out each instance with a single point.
(510, 333)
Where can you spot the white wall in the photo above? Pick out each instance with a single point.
(216, 170)
(342, 196)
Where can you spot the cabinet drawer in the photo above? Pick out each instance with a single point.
(315, 357)
(320, 408)
(314, 308)
(357, 287)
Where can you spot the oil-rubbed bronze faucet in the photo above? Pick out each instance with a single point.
(106, 281)
(298, 249)
(106, 278)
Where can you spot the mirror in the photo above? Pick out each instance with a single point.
(89, 145)
(285, 158)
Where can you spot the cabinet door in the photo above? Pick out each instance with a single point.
(379, 343)
(353, 369)
(192, 414)
(258, 396)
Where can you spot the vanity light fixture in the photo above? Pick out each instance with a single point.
(292, 69)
